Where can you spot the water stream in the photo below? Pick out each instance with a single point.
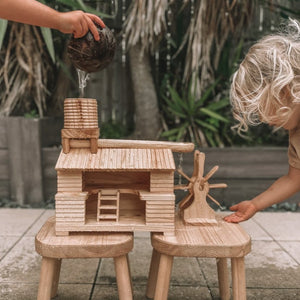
(83, 77)
(180, 161)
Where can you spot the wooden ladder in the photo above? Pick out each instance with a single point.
(108, 205)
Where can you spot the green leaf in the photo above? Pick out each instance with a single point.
(78, 4)
(47, 35)
(81, 4)
(210, 139)
(174, 108)
(170, 132)
(171, 103)
(218, 105)
(177, 100)
(71, 3)
(206, 125)
(213, 115)
(3, 27)
(208, 92)
(177, 113)
(181, 131)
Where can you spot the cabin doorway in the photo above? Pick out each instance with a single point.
(115, 207)
(114, 196)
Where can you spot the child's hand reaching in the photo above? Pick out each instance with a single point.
(243, 211)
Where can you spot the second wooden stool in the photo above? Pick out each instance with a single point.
(89, 245)
(220, 241)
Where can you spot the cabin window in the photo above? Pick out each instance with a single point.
(116, 180)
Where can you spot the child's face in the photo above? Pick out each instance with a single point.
(293, 121)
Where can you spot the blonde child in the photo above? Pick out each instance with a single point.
(266, 88)
(35, 13)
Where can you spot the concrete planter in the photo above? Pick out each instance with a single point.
(22, 176)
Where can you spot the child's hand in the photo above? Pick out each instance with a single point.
(243, 211)
(78, 23)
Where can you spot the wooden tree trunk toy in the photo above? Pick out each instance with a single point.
(194, 208)
(80, 122)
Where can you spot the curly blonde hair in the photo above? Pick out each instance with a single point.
(266, 86)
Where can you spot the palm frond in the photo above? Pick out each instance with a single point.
(146, 23)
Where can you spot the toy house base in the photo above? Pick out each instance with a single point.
(138, 211)
(115, 190)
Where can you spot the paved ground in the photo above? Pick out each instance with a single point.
(272, 268)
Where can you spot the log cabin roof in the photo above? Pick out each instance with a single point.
(116, 159)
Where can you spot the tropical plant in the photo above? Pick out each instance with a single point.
(198, 120)
(195, 30)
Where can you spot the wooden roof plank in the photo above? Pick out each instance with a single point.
(116, 159)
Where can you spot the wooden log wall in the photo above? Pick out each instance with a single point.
(70, 208)
(68, 181)
(161, 181)
(160, 211)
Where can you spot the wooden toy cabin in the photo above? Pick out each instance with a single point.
(112, 185)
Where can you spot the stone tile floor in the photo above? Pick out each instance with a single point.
(272, 268)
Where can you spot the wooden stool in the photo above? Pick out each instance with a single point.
(220, 241)
(89, 245)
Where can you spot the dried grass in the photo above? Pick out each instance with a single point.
(146, 23)
(209, 29)
(24, 70)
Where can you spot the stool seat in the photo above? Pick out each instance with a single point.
(54, 248)
(221, 241)
(81, 245)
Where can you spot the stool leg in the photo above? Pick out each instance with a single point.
(238, 278)
(163, 277)
(46, 278)
(153, 271)
(123, 277)
(223, 279)
(128, 264)
(55, 280)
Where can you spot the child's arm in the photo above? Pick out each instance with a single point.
(35, 13)
(280, 190)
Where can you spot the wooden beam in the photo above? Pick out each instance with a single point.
(135, 144)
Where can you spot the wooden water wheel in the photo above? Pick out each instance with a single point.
(194, 208)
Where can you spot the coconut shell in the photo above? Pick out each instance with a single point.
(90, 55)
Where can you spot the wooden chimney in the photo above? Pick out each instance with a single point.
(80, 122)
